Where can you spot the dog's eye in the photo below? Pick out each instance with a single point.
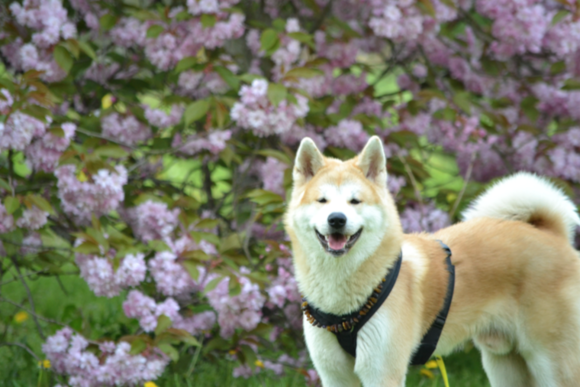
(322, 200)
(354, 201)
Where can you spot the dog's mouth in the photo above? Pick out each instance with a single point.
(336, 243)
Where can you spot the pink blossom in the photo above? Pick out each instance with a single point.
(69, 354)
(31, 243)
(43, 154)
(347, 134)
(6, 220)
(32, 218)
(82, 199)
(241, 311)
(426, 217)
(127, 129)
(256, 113)
(215, 142)
(161, 119)
(152, 220)
(101, 277)
(272, 175)
(18, 131)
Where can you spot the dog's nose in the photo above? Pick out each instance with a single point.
(337, 220)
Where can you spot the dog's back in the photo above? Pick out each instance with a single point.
(518, 280)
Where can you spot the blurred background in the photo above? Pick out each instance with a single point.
(146, 151)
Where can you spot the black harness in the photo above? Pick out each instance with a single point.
(347, 338)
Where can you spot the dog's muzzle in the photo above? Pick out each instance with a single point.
(337, 243)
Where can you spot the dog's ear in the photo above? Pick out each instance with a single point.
(373, 162)
(308, 161)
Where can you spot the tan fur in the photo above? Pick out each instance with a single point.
(516, 289)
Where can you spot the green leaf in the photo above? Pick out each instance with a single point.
(212, 285)
(111, 150)
(163, 322)
(196, 111)
(268, 39)
(199, 236)
(192, 269)
(427, 7)
(528, 106)
(561, 14)
(207, 223)
(302, 37)
(447, 113)
(303, 72)
(158, 245)
(87, 248)
(249, 356)
(4, 184)
(87, 49)
(461, 99)
(11, 204)
(283, 157)
(249, 78)
(154, 31)
(58, 132)
(263, 197)
(169, 351)
(185, 64)
(41, 203)
(137, 346)
(571, 84)
(276, 93)
(234, 287)
(231, 242)
(107, 21)
(229, 77)
(279, 24)
(558, 67)
(12, 241)
(63, 58)
(208, 20)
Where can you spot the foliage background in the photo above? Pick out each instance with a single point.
(145, 154)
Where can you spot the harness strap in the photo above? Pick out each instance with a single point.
(348, 338)
(431, 338)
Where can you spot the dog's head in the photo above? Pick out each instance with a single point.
(340, 209)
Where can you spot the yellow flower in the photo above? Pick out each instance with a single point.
(150, 384)
(259, 363)
(20, 317)
(427, 373)
(431, 364)
(82, 177)
(232, 352)
(107, 101)
(44, 363)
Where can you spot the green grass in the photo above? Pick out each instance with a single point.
(99, 317)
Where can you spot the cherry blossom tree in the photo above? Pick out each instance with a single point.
(148, 146)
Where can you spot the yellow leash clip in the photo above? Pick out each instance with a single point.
(441, 366)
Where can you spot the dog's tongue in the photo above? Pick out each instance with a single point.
(336, 241)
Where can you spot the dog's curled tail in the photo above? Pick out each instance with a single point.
(528, 198)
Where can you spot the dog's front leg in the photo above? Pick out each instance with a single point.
(383, 351)
(334, 366)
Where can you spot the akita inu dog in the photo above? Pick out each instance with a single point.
(517, 281)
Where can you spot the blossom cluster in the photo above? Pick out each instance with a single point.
(210, 99)
(256, 112)
(72, 354)
(104, 280)
(241, 311)
(84, 198)
(128, 130)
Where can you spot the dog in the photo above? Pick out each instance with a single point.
(517, 281)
